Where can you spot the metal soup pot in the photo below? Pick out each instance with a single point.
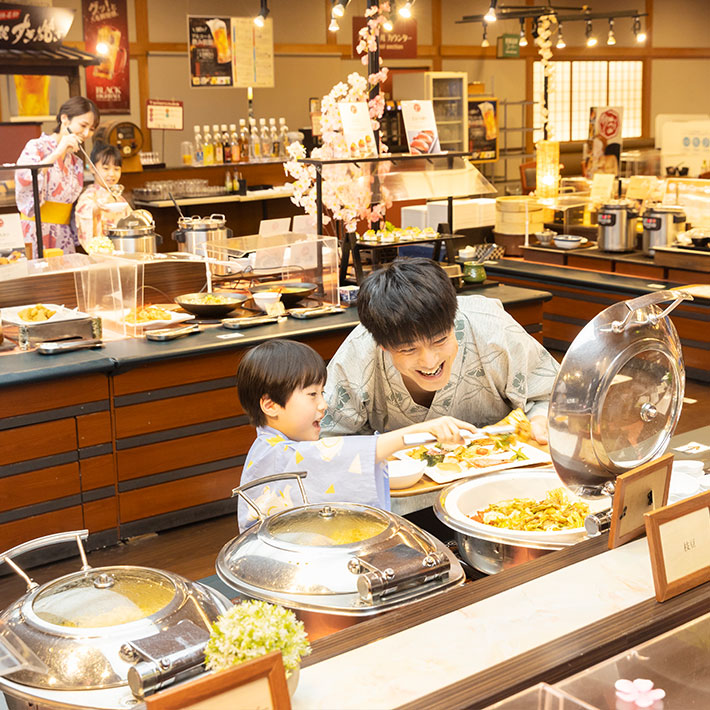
(104, 637)
(195, 231)
(342, 561)
(135, 234)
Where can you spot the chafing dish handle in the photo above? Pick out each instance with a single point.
(40, 542)
(298, 475)
(677, 296)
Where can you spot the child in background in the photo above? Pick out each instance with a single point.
(280, 385)
(96, 209)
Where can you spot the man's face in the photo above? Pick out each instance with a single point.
(425, 365)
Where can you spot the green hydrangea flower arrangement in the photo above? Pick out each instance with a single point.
(252, 629)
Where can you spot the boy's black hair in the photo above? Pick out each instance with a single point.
(276, 368)
(406, 301)
(107, 154)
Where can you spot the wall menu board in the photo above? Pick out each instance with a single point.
(483, 129)
(164, 115)
(210, 51)
(253, 59)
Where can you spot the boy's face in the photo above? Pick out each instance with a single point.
(299, 419)
(110, 172)
(425, 365)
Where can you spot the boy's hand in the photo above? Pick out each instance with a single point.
(447, 430)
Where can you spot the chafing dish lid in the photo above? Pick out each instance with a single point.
(136, 224)
(618, 394)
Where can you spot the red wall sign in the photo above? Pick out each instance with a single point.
(401, 43)
(106, 34)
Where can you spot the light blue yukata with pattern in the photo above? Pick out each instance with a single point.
(341, 469)
(499, 367)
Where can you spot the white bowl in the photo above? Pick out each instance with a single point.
(568, 242)
(264, 299)
(405, 473)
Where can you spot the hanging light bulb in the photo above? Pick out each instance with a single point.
(591, 39)
(611, 39)
(406, 10)
(333, 26)
(523, 41)
(490, 16)
(388, 25)
(485, 42)
(261, 17)
(561, 44)
(338, 8)
(638, 32)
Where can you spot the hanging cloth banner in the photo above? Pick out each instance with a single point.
(106, 34)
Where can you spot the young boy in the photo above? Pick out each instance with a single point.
(280, 385)
(421, 352)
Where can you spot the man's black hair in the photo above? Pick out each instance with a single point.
(276, 368)
(406, 301)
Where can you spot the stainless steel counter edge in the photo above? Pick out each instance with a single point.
(18, 368)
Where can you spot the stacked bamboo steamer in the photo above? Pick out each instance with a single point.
(512, 213)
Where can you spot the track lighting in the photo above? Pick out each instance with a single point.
(338, 9)
(485, 42)
(263, 13)
(591, 39)
(406, 10)
(611, 39)
(638, 32)
(561, 44)
(333, 26)
(533, 29)
(523, 41)
(490, 16)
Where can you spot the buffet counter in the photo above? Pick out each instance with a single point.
(141, 436)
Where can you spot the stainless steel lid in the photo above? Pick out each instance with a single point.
(342, 558)
(619, 206)
(138, 223)
(664, 209)
(619, 393)
(196, 223)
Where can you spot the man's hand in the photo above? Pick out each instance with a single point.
(538, 426)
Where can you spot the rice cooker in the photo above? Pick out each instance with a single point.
(195, 231)
(616, 226)
(661, 224)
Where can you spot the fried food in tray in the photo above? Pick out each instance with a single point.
(36, 314)
(147, 314)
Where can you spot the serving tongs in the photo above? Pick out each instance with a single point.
(314, 311)
(248, 321)
(161, 334)
(427, 438)
(97, 175)
(54, 347)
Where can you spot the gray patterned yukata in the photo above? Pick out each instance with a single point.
(498, 368)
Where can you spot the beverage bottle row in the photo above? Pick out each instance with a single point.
(223, 146)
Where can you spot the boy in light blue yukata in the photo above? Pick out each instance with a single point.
(280, 385)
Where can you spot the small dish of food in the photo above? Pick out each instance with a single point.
(568, 241)
(545, 237)
(154, 316)
(39, 313)
(211, 305)
(265, 299)
(404, 473)
(291, 291)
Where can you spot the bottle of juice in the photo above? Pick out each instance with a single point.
(254, 141)
(197, 141)
(243, 140)
(234, 143)
(265, 139)
(274, 138)
(226, 145)
(217, 142)
(207, 147)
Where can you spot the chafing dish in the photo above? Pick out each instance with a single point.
(105, 636)
(614, 406)
(345, 561)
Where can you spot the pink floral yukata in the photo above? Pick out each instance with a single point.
(62, 183)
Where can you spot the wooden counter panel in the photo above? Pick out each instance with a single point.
(172, 373)
(181, 453)
(94, 428)
(696, 357)
(682, 276)
(137, 419)
(326, 344)
(580, 308)
(18, 531)
(39, 486)
(589, 263)
(528, 314)
(628, 268)
(37, 440)
(53, 394)
(97, 472)
(176, 495)
(566, 332)
(100, 514)
(544, 257)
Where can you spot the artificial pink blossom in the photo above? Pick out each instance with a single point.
(639, 693)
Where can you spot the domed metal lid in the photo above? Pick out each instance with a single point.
(197, 223)
(139, 223)
(619, 393)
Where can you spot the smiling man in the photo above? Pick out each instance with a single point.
(421, 352)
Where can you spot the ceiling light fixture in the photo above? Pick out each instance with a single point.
(591, 39)
(406, 10)
(638, 32)
(485, 42)
(263, 13)
(388, 25)
(523, 41)
(490, 16)
(611, 39)
(561, 44)
(333, 26)
(338, 9)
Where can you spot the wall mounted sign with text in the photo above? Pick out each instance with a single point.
(164, 115)
(106, 34)
(210, 50)
(253, 56)
(401, 43)
(30, 27)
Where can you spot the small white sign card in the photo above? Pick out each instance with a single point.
(420, 126)
(357, 129)
(11, 232)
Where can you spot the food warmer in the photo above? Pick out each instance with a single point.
(334, 564)
(615, 404)
(616, 226)
(193, 232)
(135, 234)
(104, 637)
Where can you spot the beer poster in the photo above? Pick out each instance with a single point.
(210, 48)
(106, 35)
(483, 128)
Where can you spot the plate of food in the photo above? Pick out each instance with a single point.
(39, 313)
(154, 317)
(446, 463)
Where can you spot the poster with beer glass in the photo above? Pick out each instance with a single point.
(210, 48)
(106, 35)
(483, 128)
